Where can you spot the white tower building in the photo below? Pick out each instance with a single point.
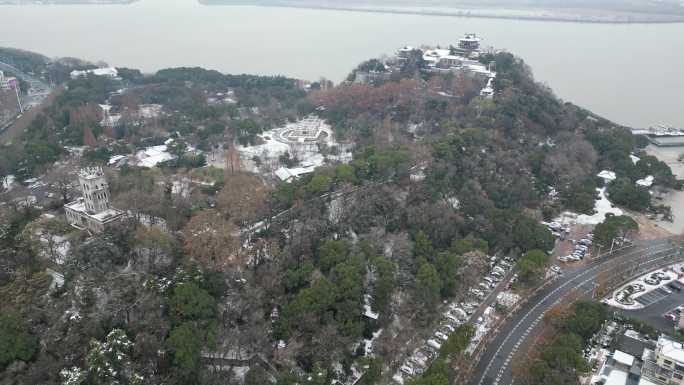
(92, 211)
(95, 189)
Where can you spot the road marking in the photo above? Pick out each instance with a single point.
(646, 251)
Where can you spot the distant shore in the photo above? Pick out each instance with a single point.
(65, 2)
(522, 13)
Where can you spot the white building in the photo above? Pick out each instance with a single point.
(92, 211)
(665, 364)
(7, 83)
(461, 59)
(109, 72)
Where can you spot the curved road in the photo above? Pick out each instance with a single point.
(494, 367)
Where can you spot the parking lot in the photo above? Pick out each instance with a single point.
(573, 242)
(655, 296)
(477, 309)
(655, 314)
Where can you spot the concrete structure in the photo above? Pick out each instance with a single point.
(92, 211)
(469, 42)
(8, 83)
(665, 364)
(463, 59)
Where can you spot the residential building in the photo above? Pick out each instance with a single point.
(92, 211)
(7, 83)
(665, 364)
(624, 365)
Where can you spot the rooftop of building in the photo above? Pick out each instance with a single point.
(105, 216)
(470, 37)
(632, 342)
(91, 173)
(623, 358)
(671, 349)
(616, 377)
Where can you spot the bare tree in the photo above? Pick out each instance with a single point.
(213, 241)
(243, 198)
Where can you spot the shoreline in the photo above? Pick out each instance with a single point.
(477, 13)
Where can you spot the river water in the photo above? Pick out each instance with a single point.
(628, 73)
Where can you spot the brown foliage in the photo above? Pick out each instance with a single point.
(243, 198)
(212, 241)
(365, 98)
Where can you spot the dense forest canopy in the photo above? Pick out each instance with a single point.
(441, 179)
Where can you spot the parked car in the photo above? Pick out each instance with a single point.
(408, 370)
(434, 344)
(441, 336)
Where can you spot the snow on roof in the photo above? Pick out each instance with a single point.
(606, 175)
(633, 334)
(77, 205)
(646, 182)
(152, 156)
(107, 71)
(671, 349)
(114, 159)
(623, 358)
(634, 158)
(286, 174)
(437, 52)
(478, 68)
(283, 174)
(452, 57)
(107, 214)
(616, 377)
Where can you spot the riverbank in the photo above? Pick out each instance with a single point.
(571, 15)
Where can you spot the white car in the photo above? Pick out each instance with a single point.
(434, 344)
(441, 336)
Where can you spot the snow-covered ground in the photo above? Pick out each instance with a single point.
(367, 310)
(646, 182)
(607, 176)
(507, 299)
(482, 328)
(59, 244)
(368, 343)
(671, 271)
(279, 141)
(8, 182)
(57, 279)
(602, 207)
